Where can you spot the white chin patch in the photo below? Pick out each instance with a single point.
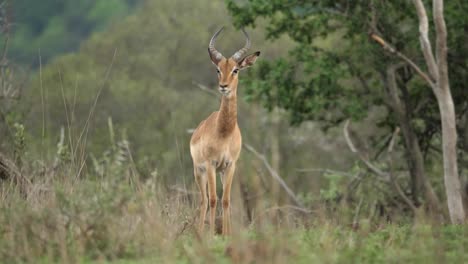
(225, 93)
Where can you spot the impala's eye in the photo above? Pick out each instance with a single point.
(217, 71)
(235, 71)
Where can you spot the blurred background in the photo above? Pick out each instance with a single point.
(140, 66)
(117, 86)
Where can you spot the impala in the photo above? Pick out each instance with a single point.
(216, 143)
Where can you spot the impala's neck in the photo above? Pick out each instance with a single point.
(227, 117)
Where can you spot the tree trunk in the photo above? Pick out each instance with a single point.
(447, 116)
(274, 142)
(419, 181)
(439, 83)
(416, 164)
(449, 141)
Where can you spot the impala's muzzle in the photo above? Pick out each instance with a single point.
(224, 89)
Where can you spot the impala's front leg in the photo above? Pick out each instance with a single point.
(213, 198)
(227, 183)
(200, 178)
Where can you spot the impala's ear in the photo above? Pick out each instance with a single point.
(249, 60)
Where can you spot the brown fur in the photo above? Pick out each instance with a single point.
(216, 144)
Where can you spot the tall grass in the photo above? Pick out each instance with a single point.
(112, 214)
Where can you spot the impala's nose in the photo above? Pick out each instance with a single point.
(224, 89)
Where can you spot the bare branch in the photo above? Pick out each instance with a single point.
(305, 170)
(392, 142)
(206, 89)
(348, 139)
(392, 174)
(366, 161)
(280, 208)
(288, 206)
(424, 38)
(275, 175)
(357, 212)
(182, 190)
(413, 65)
(388, 176)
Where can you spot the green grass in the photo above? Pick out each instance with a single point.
(391, 244)
(122, 217)
(111, 221)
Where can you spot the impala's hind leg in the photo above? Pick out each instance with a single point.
(200, 178)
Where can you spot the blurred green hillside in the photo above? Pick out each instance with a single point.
(51, 27)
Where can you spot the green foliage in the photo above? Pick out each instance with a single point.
(332, 191)
(335, 71)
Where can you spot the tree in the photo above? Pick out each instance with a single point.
(336, 71)
(438, 81)
(441, 88)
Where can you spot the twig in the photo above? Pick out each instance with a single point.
(288, 206)
(357, 212)
(413, 65)
(347, 138)
(182, 190)
(280, 208)
(323, 171)
(366, 161)
(186, 226)
(206, 89)
(387, 176)
(392, 141)
(274, 174)
(392, 174)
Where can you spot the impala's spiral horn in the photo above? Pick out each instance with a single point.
(240, 53)
(216, 55)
